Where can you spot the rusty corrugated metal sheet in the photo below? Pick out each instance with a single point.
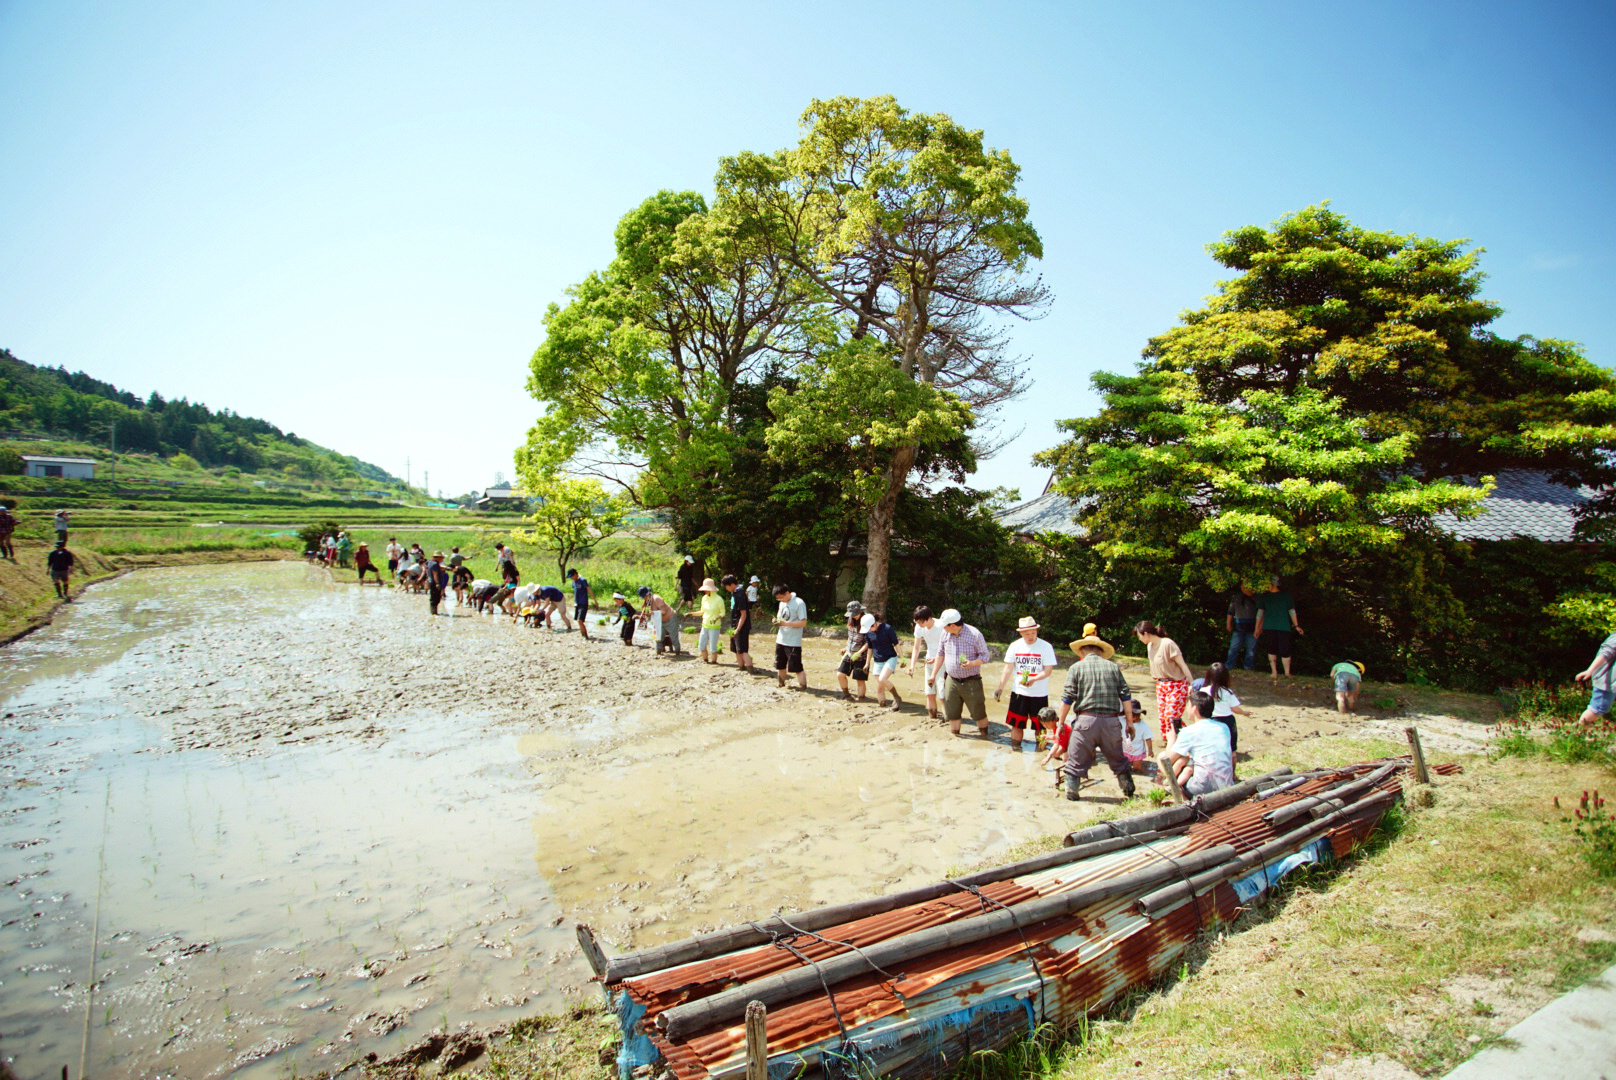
(1085, 960)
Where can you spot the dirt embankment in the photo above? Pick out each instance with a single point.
(27, 599)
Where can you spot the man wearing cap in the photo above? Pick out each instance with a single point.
(1096, 689)
(437, 579)
(395, 552)
(59, 523)
(8, 525)
(687, 580)
(964, 652)
(789, 621)
(740, 617)
(627, 616)
(582, 594)
(1032, 661)
(712, 612)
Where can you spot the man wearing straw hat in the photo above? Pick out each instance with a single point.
(1096, 689)
(1032, 661)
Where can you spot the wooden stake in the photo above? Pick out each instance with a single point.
(1420, 772)
(757, 1041)
(592, 950)
(1164, 762)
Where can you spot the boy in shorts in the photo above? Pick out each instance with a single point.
(789, 619)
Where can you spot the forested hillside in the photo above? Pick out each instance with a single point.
(58, 404)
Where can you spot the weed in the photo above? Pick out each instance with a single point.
(1596, 828)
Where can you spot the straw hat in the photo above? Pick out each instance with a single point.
(707, 585)
(1027, 622)
(1090, 638)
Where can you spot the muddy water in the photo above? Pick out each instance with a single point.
(291, 823)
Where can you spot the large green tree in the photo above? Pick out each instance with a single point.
(911, 229)
(639, 370)
(1326, 414)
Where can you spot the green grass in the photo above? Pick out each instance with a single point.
(1353, 960)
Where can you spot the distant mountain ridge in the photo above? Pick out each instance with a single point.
(73, 405)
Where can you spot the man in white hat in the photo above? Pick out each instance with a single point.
(687, 580)
(1031, 660)
(964, 652)
(1096, 689)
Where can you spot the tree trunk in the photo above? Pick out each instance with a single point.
(879, 547)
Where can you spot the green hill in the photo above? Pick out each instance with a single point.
(46, 407)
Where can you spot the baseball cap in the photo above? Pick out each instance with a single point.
(866, 624)
(949, 617)
(645, 590)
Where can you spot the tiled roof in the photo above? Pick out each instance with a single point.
(1050, 512)
(1523, 504)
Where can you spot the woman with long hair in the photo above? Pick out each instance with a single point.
(1172, 675)
(1224, 703)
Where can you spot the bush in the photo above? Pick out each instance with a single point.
(10, 462)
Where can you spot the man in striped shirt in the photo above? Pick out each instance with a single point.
(964, 652)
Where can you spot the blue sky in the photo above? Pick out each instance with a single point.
(348, 218)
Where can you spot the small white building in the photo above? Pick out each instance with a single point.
(68, 468)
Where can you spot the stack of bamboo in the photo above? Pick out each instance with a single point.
(905, 985)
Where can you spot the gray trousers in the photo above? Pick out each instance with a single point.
(670, 633)
(1091, 731)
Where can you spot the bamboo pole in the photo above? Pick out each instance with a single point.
(757, 1041)
(592, 950)
(1175, 815)
(1154, 903)
(724, 1006)
(1331, 798)
(1164, 762)
(1420, 772)
(662, 957)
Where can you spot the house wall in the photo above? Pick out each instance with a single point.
(66, 470)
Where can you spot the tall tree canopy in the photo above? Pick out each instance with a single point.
(840, 306)
(1325, 414)
(912, 230)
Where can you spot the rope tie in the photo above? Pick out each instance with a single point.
(849, 1048)
(1183, 875)
(988, 902)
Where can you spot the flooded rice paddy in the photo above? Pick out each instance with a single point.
(254, 824)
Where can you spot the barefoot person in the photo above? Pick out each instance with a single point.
(1097, 697)
(883, 640)
(1348, 676)
(928, 631)
(1277, 626)
(582, 594)
(1598, 676)
(855, 656)
(741, 602)
(964, 652)
(712, 611)
(661, 616)
(363, 564)
(1201, 757)
(60, 563)
(1225, 705)
(1172, 677)
(789, 620)
(437, 581)
(1031, 660)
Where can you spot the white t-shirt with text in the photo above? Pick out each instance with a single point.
(1030, 660)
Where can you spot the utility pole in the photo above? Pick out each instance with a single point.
(426, 484)
(112, 442)
(406, 472)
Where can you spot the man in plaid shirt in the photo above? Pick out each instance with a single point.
(964, 652)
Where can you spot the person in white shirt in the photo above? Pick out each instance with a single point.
(1032, 661)
(789, 621)
(395, 552)
(1200, 757)
(928, 631)
(1225, 706)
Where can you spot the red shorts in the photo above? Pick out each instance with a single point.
(1024, 711)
